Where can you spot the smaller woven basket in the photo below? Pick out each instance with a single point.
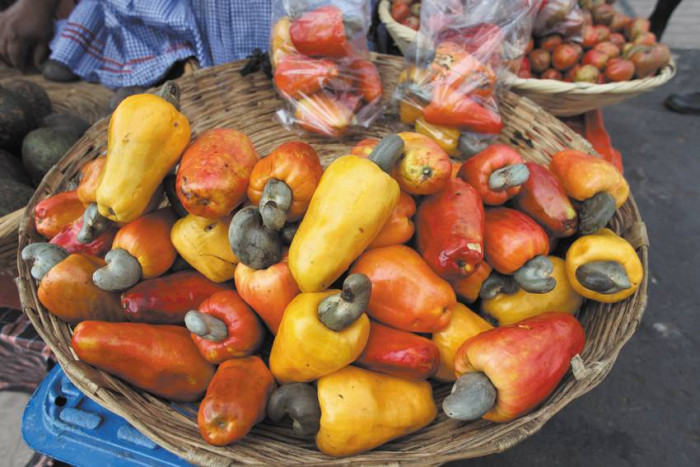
(402, 35)
(567, 99)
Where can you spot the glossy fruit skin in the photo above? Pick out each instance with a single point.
(267, 291)
(540, 59)
(320, 32)
(446, 137)
(324, 114)
(424, 168)
(618, 40)
(297, 165)
(167, 299)
(450, 226)
(550, 42)
(524, 361)
(213, 175)
(367, 79)
(590, 36)
(245, 332)
(68, 239)
(68, 292)
(235, 401)
(604, 245)
(551, 73)
(464, 325)
(608, 48)
(395, 269)
(400, 226)
(587, 74)
(160, 359)
(583, 176)
(544, 199)
(90, 174)
(619, 69)
(361, 409)
(477, 170)
(603, 32)
(510, 309)
(298, 76)
(351, 204)
(146, 138)
(305, 349)
(596, 58)
(56, 212)
(451, 108)
(468, 288)
(280, 41)
(564, 57)
(512, 239)
(399, 353)
(635, 27)
(148, 240)
(364, 148)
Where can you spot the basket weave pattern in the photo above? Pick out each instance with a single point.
(219, 96)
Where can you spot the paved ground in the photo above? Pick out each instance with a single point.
(682, 30)
(647, 412)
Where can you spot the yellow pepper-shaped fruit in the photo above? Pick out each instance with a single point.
(604, 267)
(203, 243)
(354, 199)
(361, 409)
(509, 309)
(463, 325)
(305, 349)
(147, 134)
(446, 137)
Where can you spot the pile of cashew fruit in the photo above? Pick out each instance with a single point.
(359, 275)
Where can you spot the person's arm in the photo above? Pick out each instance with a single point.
(26, 28)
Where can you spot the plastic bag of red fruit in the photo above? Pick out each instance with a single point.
(321, 65)
(448, 88)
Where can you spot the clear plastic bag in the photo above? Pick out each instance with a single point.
(453, 70)
(560, 17)
(318, 50)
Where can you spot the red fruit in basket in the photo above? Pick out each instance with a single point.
(596, 58)
(619, 69)
(323, 113)
(587, 74)
(603, 32)
(400, 11)
(608, 48)
(367, 79)
(550, 42)
(565, 56)
(298, 76)
(512, 239)
(524, 74)
(68, 239)
(636, 27)
(645, 38)
(320, 32)
(603, 14)
(551, 73)
(662, 54)
(530, 45)
(645, 63)
(57, 212)
(618, 39)
(619, 22)
(587, 18)
(569, 76)
(540, 60)
(590, 36)
(525, 70)
(412, 22)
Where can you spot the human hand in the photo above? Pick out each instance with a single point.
(26, 28)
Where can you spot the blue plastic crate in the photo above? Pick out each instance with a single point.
(61, 422)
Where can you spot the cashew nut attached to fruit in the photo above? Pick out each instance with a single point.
(298, 401)
(509, 176)
(275, 203)
(254, 244)
(94, 224)
(595, 213)
(497, 283)
(121, 272)
(387, 152)
(43, 256)
(535, 275)
(206, 326)
(339, 311)
(605, 277)
(472, 396)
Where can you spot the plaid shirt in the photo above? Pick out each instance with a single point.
(128, 42)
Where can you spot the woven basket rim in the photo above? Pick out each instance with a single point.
(118, 396)
(633, 87)
(403, 35)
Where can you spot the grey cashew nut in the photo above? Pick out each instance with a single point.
(595, 213)
(472, 396)
(274, 204)
(605, 277)
(43, 256)
(288, 232)
(94, 224)
(387, 152)
(471, 144)
(339, 311)
(254, 244)
(121, 272)
(535, 275)
(508, 177)
(206, 326)
(298, 401)
(170, 91)
(497, 283)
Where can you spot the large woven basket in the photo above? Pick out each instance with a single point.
(218, 97)
(86, 100)
(567, 99)
(402, 35)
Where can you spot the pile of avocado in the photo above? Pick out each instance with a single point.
(29, 129)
